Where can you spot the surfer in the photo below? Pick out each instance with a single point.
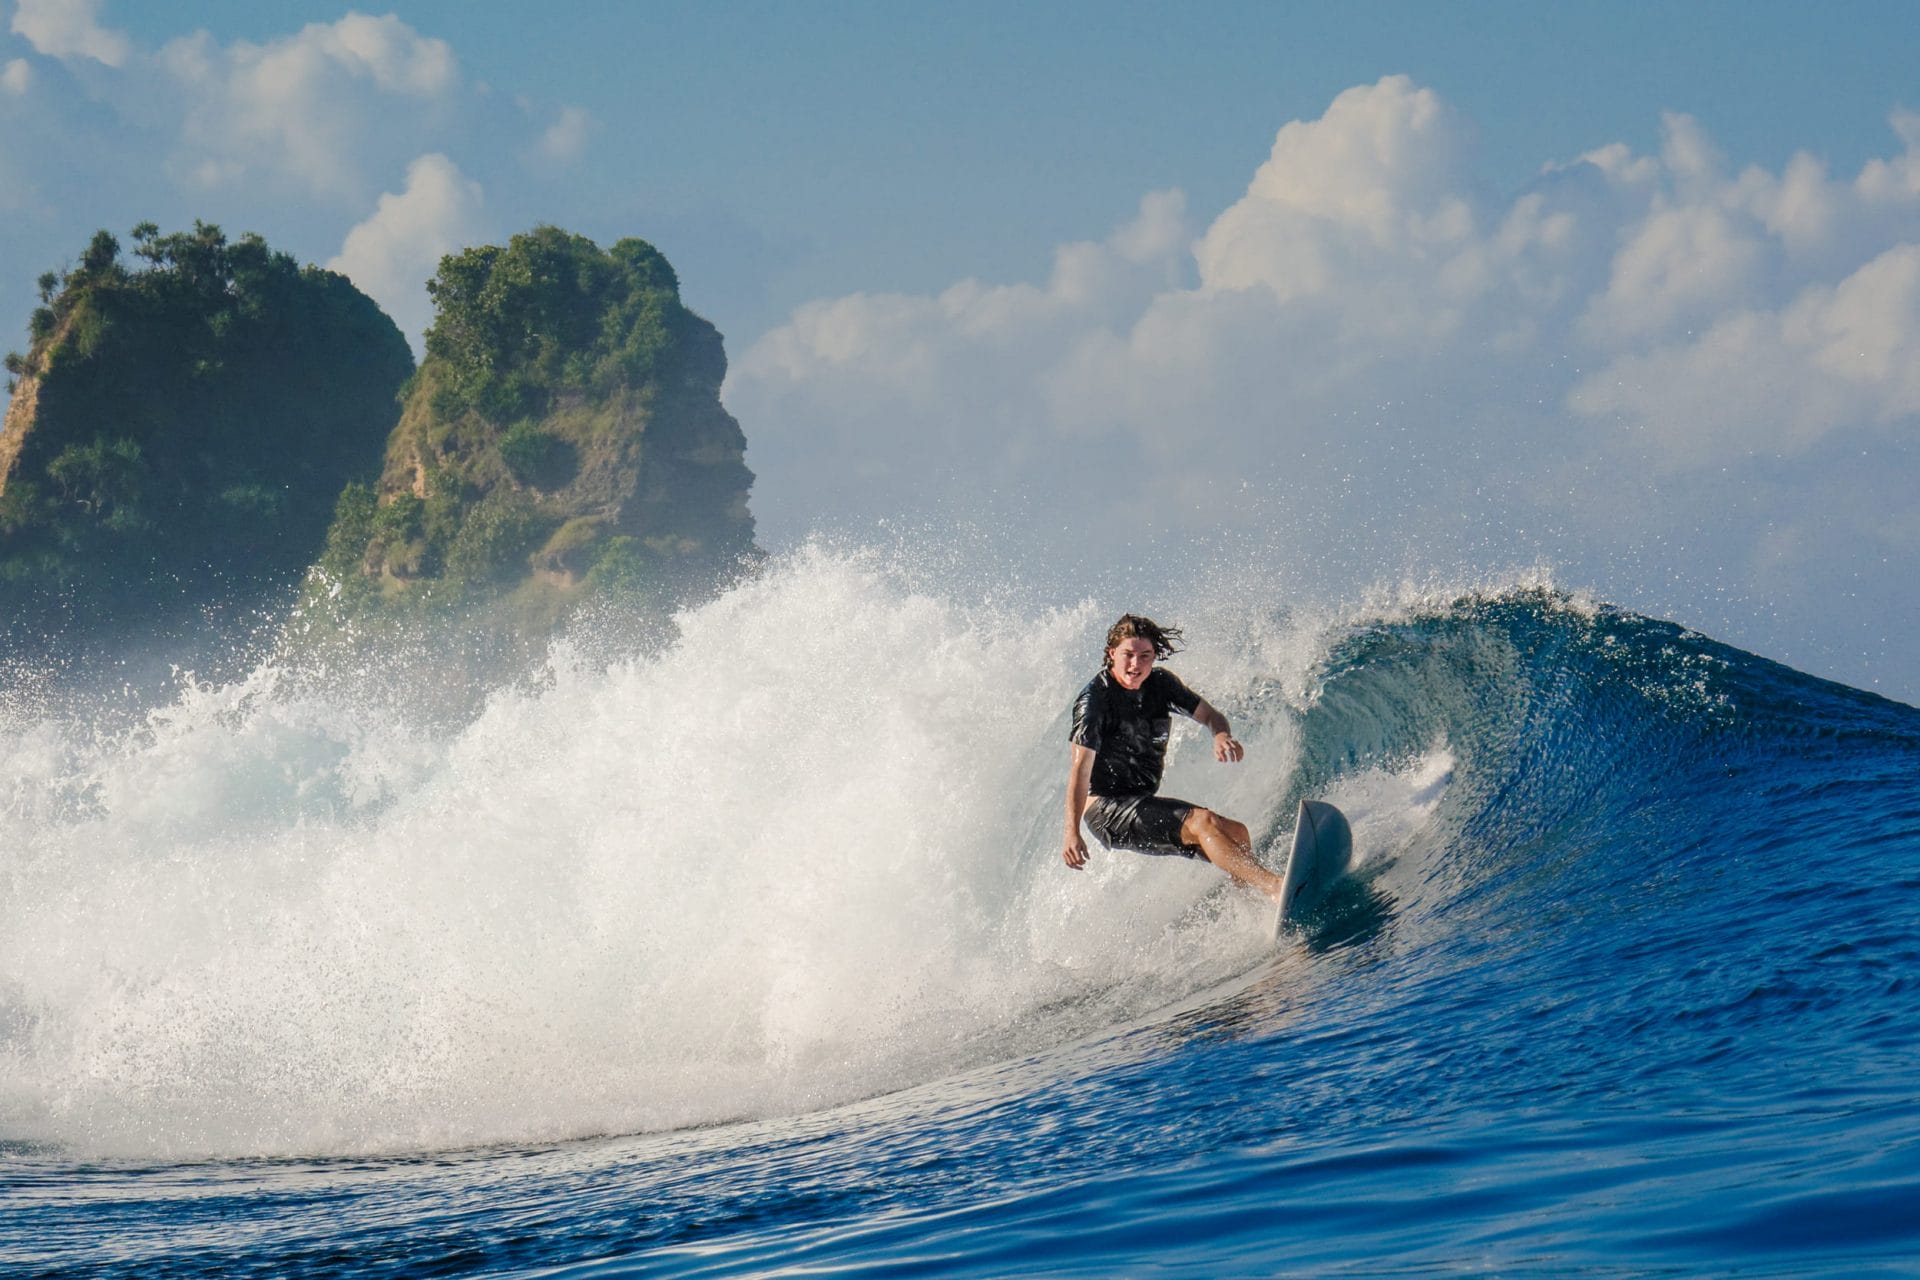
(1121, 722)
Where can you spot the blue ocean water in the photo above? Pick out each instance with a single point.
(1625, 982)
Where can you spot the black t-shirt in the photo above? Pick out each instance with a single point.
(1127, 729)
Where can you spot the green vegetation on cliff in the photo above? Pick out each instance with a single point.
(564, 435)
(179, 432)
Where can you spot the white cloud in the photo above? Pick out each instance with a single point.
(1365, 262)
(1895, 181)
(1360, 259)
(70, 29)
(306, 107)
(565, 140)
(1620, 359)
(1691, 160)
(966, 368)
(392, 254)
(1374, 188)
(1681, 264)
(1801, 207)
(1778, 382)
(295, 134)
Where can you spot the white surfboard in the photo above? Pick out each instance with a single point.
(1322, 852)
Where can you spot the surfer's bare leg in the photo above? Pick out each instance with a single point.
(1228, 846)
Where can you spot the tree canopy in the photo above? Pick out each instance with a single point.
(195, 417)
(549, 312)
(564, 437)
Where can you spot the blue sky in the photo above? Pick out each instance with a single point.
(1498, 284)
(783, 151)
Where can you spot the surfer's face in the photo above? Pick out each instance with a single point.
(1130, 661)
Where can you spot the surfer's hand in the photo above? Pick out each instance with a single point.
(1075, 852)
(1227, 748)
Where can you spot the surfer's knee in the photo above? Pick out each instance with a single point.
(1201, 823)
(1211, 821)
(1204, 826)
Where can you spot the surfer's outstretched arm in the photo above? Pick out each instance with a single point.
(1079, 777)
(1226, 747)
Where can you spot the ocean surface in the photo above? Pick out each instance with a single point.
(756, 956)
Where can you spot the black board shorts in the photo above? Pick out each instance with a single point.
(1142, 824)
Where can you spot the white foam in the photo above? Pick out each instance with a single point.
(1388, 808)
(810, 853)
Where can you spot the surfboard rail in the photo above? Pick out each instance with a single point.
(1321, 853)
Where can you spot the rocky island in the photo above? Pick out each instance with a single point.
(563, 438)
(195, 443)
(177, 437)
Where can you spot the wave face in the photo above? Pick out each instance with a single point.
(1624, 977)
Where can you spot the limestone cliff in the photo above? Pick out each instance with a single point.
(564, 436)
(178, 434)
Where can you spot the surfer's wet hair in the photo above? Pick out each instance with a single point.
(1165, 640)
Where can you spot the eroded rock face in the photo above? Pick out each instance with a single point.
(178, 435)
(189, 441)
(563, 436)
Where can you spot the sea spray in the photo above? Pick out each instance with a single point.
(806, 853)
(1622, 979)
